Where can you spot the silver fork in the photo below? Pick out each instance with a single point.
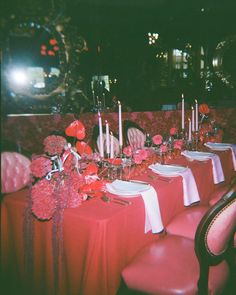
(115, 200)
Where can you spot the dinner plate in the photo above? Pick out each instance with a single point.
(127, 188)
(200, 156)
(167, 170)
(218, 146)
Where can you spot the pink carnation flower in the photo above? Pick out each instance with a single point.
(40, 166)
(173, 131)
(157, 139)
(163, 148)
(128, 151)
(138, 159)
(178, 144)
(54, 144)
(143, 154)
(43, 202)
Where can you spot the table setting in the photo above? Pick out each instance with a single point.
(218, 173)
(133, 188)
(190, 191)
(102, 207)
(220, 146)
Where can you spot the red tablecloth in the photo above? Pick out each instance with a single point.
(99, 238)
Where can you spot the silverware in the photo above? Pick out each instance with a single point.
(164, 179)
(160, 178)
(107, 199)
(138, 181)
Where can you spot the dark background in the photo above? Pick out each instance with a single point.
(116, 36)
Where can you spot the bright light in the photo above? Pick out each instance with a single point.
(152, 38)
(19, 77)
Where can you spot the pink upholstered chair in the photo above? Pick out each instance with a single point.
(134, 135)
(186, 222)
(178, 265)
(15, 171)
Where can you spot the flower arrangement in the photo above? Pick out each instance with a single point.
(61, 177)
(208, 130)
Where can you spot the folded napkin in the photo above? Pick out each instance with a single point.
(153, 219)
(221, 146)
(190, 190)
(218, 174)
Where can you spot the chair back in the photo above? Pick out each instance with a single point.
(214, 236)
(15, 172)
(134, 135)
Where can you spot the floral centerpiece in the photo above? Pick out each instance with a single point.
(170, 147)
(208, 129)
(60, 178)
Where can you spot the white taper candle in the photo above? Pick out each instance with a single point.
(196, 114)
(107, 138)
(193, 119)
(182, 112)
(189, 130)
(101, 148)
(112, 146)
(120, 125)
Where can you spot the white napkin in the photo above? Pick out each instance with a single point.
(153, 219)
(221, 146)
(218, 174)
(190, 190)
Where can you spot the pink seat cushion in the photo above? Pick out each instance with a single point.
(185, 224)
(217, 194)
(15, 171)
(170, 266)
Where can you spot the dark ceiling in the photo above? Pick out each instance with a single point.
(176, 18)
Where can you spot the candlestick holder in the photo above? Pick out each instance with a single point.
(121, 155)
(195, 140)
(182, 134)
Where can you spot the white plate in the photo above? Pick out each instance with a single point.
(201, 156)
(126, 188)
(218, 146)
(167, 170)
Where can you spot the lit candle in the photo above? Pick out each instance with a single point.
(120, 126)
(193, 127)
(101, 149)
(189, 130)
(196, 111)
(182, 109)
(112, 146)
(107, 138)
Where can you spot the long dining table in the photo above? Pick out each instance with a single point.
(99, 238)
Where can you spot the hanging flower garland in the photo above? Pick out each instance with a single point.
(63, 177)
